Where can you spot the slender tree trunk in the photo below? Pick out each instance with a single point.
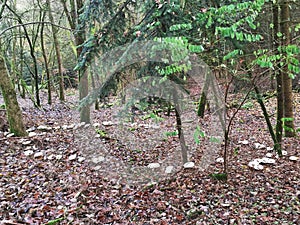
(58, 55)
(203, 100)
(92, 74)
(31, 44)
(46, 63)
(14, 114)
(79, 35)
(277, 146)
(286, 80)
(278, 74)
(12, 60)
(184, 148)
(36, 76)
(13, 63)
(83, 92)
(83, 75)
(21, 84)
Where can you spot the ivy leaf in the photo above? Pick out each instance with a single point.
(279, 34)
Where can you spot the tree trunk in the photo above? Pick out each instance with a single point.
(35, 66)
(79, 35)
(83, 92)
(203, 100)
(58, 55)
(31, 44)
(46, 63)
(83, 75)
(278, 75)
(92, 74)
(14, 114)
(14, 62)
(184, 148)
(286, 80)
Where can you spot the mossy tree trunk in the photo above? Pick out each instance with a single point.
(13, 111)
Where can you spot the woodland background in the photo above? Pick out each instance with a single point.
(54, 54)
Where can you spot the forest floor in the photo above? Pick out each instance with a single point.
(69, 173)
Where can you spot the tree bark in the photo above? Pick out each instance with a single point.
(289, 128)
(13, 111)
(184, 148)
(58, 55)
(278, 74)
(21, 82)
(92, 74)
(83, 92)
(203, 100)
(46, 63)
(83, 75)
(79, 36)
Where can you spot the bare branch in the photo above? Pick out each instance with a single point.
(31, 23)
(2, 8)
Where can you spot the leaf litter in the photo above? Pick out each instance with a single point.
(45, 178)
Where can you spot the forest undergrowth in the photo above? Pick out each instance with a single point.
(47, 178)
